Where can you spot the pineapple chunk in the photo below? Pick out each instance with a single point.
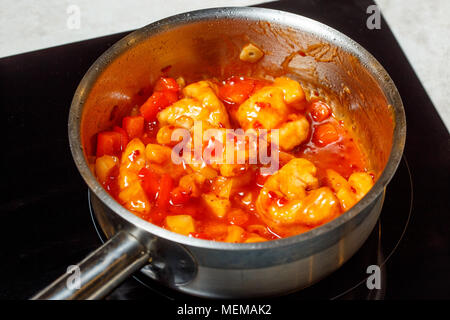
(157, 154)
(206, 172)
(134, 198)
(222, 187)
(235, 234)
(217, 205)
(103, 167)
(183, 224)
(189, 183)
(255, 238)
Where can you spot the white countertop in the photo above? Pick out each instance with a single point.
(421, 27)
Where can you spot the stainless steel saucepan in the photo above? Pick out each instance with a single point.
(207, 43)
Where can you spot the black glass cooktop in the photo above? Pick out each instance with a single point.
(45, 210)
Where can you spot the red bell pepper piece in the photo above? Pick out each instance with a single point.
(237, 217)
(165, 186)
(171, 96)
(319, 111)
(149, 182)
(179, 196)
(200, 235)
(157, 216)
(325, 134)
(168, 84)
(236, 89)
(187, 208)
(261, 178)
(109, 143)
(134, 126)
(123, 137)
(157, 101)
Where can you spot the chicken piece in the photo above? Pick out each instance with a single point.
(294, 178)
(159, 159)
(184, 122)
(318, 207)
(334, 180)
(215, 149)
(351, 191)
(361, 182)
(218, 206)
(293, 91)
(275, 210)
(133, 160)
(186, 107)
(134, 155)
(164, 136)
(264, 109)
(183, 224)
(200, 104)
(347, 198)
(281, 199)
(293, 132)
(267, 108)
(341, 188)
(131, 193)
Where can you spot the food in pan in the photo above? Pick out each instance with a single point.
(237, 160)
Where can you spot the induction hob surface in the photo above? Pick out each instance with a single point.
(45, 207)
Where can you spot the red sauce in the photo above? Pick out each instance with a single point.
(342, 155)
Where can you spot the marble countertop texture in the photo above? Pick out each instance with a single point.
(421, 27)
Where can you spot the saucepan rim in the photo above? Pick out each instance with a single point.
(247, 13)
